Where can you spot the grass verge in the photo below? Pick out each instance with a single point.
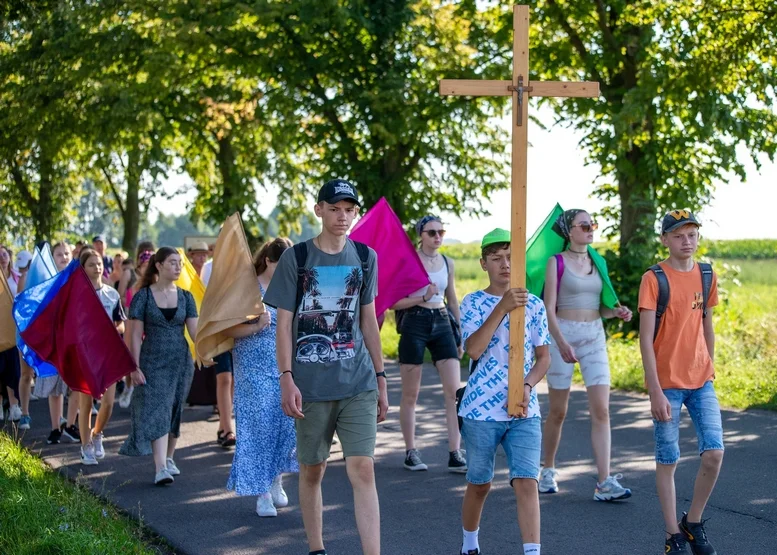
(43, 513)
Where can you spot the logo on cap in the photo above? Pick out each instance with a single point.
(343, 188)
(680, 214)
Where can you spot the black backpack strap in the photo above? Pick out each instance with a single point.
(301, 254)
(706, 284)
(364, 255)
(663, 295)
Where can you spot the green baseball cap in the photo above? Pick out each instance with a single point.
(497, 235)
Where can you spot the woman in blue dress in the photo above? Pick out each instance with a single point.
(266, 439)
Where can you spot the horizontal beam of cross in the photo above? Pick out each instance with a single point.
(475, 87)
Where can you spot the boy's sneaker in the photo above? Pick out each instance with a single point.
(71, 433)
(675, 545)
(413, 461)
(611, 490)
(15, 413)
(697, 537)
(24, 422)
(456, 462)
(547, 482)
(87, 455)
(54, 437)
(99, 451)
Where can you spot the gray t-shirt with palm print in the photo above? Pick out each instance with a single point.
(330, 360)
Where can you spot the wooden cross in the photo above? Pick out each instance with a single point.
(520, 88)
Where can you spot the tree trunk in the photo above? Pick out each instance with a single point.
(131, 213)
(43, 209)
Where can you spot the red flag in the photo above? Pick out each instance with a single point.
(400, 270)
(73, 332)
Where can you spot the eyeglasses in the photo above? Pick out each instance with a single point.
(435, 232)
(587, 228)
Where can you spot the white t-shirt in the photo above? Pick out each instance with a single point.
(109, 298)
(485, 397)
(207, 268)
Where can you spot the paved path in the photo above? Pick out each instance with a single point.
(421, 511)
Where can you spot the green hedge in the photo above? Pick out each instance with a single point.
(750, 249)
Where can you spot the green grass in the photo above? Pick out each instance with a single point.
(745, 326)
(43, 513)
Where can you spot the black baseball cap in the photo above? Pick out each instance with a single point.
(336, 190)
(678, 218)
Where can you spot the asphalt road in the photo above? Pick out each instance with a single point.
(421, 511)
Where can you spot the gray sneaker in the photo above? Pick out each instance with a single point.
(456, 462)
(172, 468)
(413, 461)
(163, 478)
(547, 481)
(611, 490)
(88, 457)
(97, 439)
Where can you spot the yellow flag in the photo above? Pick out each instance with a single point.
(190, 281)
(7, 324)
(233, 294)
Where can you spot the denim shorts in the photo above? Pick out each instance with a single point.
(521, 439)
(424, 328)
(702, 405)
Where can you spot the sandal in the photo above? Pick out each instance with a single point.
(220, 437)
(228, 440)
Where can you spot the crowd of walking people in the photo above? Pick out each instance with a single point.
(299, 379)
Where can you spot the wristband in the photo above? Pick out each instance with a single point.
(285, 372)
(530, 385)
(380, 374)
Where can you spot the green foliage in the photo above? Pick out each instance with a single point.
(749, 249)
(683, 85)
(43, 513)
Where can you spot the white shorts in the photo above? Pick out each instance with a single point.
(590, 345)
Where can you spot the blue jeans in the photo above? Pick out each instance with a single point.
(521, 439)
(702, 405)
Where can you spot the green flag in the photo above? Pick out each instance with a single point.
(545, 243)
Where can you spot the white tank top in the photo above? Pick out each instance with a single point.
(440, 279)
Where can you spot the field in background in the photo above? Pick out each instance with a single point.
(745, 322)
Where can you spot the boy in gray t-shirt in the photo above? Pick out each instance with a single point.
(331, 362)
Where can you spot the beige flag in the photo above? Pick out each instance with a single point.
(7, 324)
(232, 296)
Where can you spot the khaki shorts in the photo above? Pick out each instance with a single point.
(354, 419)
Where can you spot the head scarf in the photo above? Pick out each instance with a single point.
(419, 227)
(144, 257)
(563, 224)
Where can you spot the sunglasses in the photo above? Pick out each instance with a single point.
(588, 228)
(435, 232)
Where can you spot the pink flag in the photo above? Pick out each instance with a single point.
(400, 271)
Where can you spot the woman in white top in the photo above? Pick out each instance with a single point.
(575, 315)
(424, 323)
(9, 359)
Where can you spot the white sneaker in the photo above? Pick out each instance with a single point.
(97, 439)
(279, 497)
(126, 397)
(171, 468)
(15, 413)
(547, 482)
(87, 455)
(611, 490)
(163, 478)
(265, 507)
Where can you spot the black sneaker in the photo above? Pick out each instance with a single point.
(54, 437)
(71, 433)
(413, 461)
(696, 536)
(456, 462)
(675, 544)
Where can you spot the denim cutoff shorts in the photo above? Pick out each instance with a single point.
(702, 405)
(521, 439)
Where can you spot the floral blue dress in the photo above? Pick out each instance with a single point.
(266, 438)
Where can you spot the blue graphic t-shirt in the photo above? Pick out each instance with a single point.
(485, 397)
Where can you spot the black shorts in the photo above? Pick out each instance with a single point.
(426, 328)
(10, 370)
(223, 363)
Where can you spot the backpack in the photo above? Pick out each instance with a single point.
(663, 290)
(559, 273)
(301, 254)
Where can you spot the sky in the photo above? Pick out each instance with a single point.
(557, 173)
